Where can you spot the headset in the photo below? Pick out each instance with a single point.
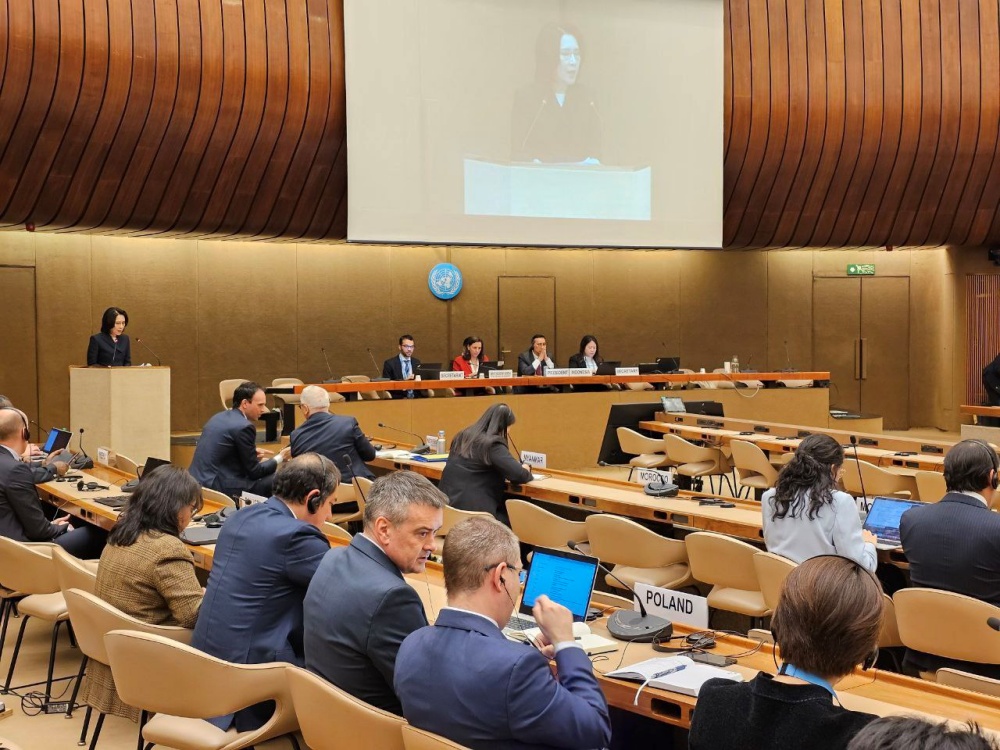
(26, 432)
(700, 641)
(994, 461)
(313, 503)
(82, 486)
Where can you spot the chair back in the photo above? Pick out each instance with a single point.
(888, 637)
(73, 573)
(27, 569)
(226, 388)
(633, 443)
(338, 532)
(965, 681)
(931, 486)
(772, 570)
(878, 481)
(220, 497)
(539, 528)
(364, 395)
(923, 615)
(419, 739)
(282, 382)
(722, 560)
(126, 464)
(682, 451)
(622, 541)
(362, 488)
(453, 516)
(321, 706)
(752, 463)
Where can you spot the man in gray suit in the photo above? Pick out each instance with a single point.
(359, 608)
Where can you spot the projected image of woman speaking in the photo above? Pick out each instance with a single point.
(555, 119)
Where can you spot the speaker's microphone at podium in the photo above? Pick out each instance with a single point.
(630, 626)
(421, 448)
(159, 363)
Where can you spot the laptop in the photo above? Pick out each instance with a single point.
(608, 367)
(57, 440)
(672, 404)
(428, 371)
(565, 577)
(669, 364)
(705, 408)
(883, 520)
(649, 368)
(153, 463)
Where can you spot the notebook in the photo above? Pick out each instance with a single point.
(883, 520)
(687, 681)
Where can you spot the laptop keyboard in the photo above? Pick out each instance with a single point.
(520, 623)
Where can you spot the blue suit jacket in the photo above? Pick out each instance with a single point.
(252, 611)
(358, 610)
(462, 679)
(332, 436)
(225, 458)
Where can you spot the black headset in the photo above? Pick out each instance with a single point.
(700, 641)
(994, 461)
(26, 432)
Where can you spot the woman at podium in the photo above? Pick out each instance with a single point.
(110, 347)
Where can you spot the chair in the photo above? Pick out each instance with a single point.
(356, 491)
(6, 744)
(931, 486)
(962, 680)
(923, 615)
(363, 395)
(419, 739)
(92, 619)
(696, 461)
(771, 570)
(220, 497)
(321, 708)
(647, 452)
(226, 388)
(453, 516)
(73, 573)
(602, 600)
(30, 571)
(190, 686)
(753, 465)
(638, 554)
(727, 565)
(338, 532)
(861, 477)
(126, 464)
(540, 528)
(286, 398)
(889, 635)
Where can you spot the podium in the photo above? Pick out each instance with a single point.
(557, 191)
(126, 409)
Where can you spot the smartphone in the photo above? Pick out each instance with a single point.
(715, 660)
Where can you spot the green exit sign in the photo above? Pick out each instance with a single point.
(861, 269)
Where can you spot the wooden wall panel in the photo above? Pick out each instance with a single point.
(982, 326)
(18, 365)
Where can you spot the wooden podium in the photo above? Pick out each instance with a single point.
(126, 409)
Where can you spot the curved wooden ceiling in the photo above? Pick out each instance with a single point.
(859, 122)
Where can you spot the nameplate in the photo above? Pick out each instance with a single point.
(533, 459)
(675, 606)
(104, 456)
(580, 372)
(645, 476)
(494, 374)
(249, 498)
(451, 375)
(557, 372)
(626, 371)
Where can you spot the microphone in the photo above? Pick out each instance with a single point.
(32, 421)
(159, 363)
(420, 450)
(861, 477)
(747, 368)
(114, 354)
(628, 626)
(518, 452)
(378, 373)
(534, 122)
(994, 622)
(81, 463)
(788, 360)
(326, 359)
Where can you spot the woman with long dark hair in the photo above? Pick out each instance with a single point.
(806, 515)
(480, 463)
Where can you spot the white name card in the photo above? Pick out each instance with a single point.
(533, 459)
(501, 374)
(249, 498)
(626, 371)
(580, 372)
(645, 476)
(675, 606)
(557, 372)
(104, 456)
(451, 375)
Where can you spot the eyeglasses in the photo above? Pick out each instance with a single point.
(522, 574)
(569, 54)
(407, 346)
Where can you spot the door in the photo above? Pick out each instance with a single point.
(18, 365)
(527, 305)
(836, 326)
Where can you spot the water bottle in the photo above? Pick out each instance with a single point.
(441, 444)
(736, 363)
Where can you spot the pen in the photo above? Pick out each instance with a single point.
(665, 672)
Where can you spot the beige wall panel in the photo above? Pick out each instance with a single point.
(474, 311)
(932, 340)
(789, 310)
(156, 282)
(65, 319)
(412, 308)
(397, 413)
(18, 363)
(17, 248)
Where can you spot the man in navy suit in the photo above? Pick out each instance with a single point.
(461, 678)
(264, 559)
(402, 367)
(954, 544)
(226, 458)
(359, 608)
(339, 438)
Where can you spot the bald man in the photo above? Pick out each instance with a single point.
(48, 469)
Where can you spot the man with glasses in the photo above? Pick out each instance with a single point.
(402, 367)
(462, 679)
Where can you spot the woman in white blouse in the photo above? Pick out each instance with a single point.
(805, 515)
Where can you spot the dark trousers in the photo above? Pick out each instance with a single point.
(84, 541)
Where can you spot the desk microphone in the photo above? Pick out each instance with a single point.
(421, 448)
(516, 450)
(378, 372)
(631, 626)
(329, 370)
(32, 421)
(159, 363)
(993, 622)
(788, 360)
(861, 476)
(81, 463)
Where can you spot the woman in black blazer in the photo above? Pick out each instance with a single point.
(479, 464)
(110, 347)
(590, 357)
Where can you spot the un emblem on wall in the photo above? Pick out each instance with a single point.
(445, 281)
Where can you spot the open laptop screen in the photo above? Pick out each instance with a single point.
(153, 463)
(883, 518)
(57, 440)
(565, 577)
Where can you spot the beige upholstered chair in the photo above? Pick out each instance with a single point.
(889, 635)
(357, 491)
(876, 481)
(126, 464)
(603, 599)
(73, 573)
(647, 452)
(322, 708)
(727, 564)
(965, 681)
(538, 527)
(226, 388)
(771, 570)
(365, 395)
(453, 516)
(191, 686)
(638, 554)
(338, 532)
(931, 486)
(29, 570)
(418, 739)
(922, 615)
(697, 461)
(753, 465)
(286, 398)
(219, 497)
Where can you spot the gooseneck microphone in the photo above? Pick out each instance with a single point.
(534, 122)
(32, 421)
(861, 476)
(159, 362)
(993, 622)
(114, 354)
(329, 369)
(788, 360)
(378, 373)
(631, 626)
(421, 448)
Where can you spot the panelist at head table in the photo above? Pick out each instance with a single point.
(110, 347)
(589, 357)
(535, 361)
(403, 367)
(468, 362)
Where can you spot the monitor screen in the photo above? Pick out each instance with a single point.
(566, 578)
(57, 440)
(153, 463)
(883, 518)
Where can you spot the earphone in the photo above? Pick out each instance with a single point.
(26, 432)
(994, 462)
(313, 503)
(701, 641)
(82, 486)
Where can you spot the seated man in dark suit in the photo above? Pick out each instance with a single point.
(402, 367)
(535, 361)
(21, 514)
(226, 458)
(264, 559)
(359, 608)
(42, 471)
(461, 678)
(339, 438)
(954, 544)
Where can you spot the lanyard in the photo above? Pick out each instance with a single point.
(792, 671)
